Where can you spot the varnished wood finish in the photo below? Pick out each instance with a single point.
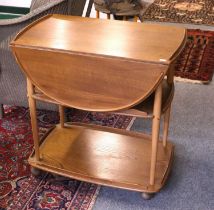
(102, 65)
(171, 72)
(97, 14)
(80, 83)
(62, 115)
(104, 156)
(32, 105)
(145, 108)
(142, 110)
(166, 126)
(92, 52)
(136, 18)
(42, 97)
(155, 132)
(128, 40)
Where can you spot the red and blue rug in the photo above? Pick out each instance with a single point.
(196, 62)
(18, 188)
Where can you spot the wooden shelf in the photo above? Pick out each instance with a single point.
(143, 109)
(38, 95)
(104, 156)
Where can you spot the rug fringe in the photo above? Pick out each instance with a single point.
(94, 198)
(131, 123)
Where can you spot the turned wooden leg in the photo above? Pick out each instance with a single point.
(171, 72)
(155, 131)
(1, 111)
(32, 106)
(62, 115)
(166, 126)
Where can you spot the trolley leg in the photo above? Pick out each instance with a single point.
(32, 106)
(62, 115)
(170, 73)
(147, 196)
(166, 126)
(155, 131)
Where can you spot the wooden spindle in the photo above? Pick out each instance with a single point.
(155, 132)
(62, 115)
(32, 106)
(166, 126)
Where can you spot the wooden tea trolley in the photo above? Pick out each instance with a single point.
(104, 66)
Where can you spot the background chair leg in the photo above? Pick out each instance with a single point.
(97, 14)
(1, 111)
(135, 18)
(90, 4)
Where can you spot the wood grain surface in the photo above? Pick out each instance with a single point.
(96, 65)
(104, 156)
(130, 40)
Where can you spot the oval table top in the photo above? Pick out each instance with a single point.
(97, 65)
(138, 41)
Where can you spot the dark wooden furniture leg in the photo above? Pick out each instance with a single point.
(1, 111)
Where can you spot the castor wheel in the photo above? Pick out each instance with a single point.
(147, 196)
(35, 171)
(57, 177)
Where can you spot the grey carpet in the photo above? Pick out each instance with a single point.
(191, 184)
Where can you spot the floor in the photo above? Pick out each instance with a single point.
(191, 184)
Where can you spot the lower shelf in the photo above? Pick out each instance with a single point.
(103, 156)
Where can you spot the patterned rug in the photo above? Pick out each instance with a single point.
(18, 188)
(196, 62)
(181, 11)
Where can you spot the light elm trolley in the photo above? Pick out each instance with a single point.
(108, 66)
